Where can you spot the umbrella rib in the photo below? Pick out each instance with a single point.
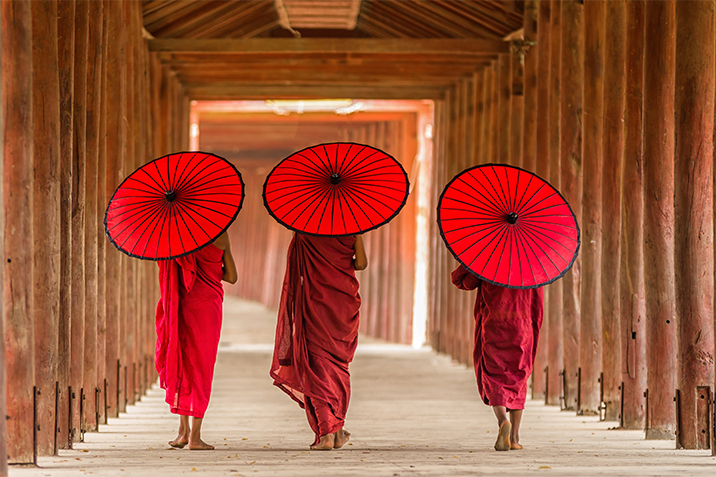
(527, 237)
(181, 240)
(369, 192)
(502, 254)
(343, 217)
(357, 197)
(473, 205)
(320, 221)
(204, 194)
(159, 238)
(322, 167)
(310, 166)
(328, 159)
(193, 203)
(361, 162)
(160, 175)
(186, 166)
(502, 191)
(159, 195)
(524, 193)
(519, 260)
(138, 211)
(496, 206)
(550, 238)
(319, 197)
(497, 195)
(345, 156)
(115, 210)
(176, 170)
(302, 190)
(352, 199)
(534, 241)
(181, 216)
(534, 279)
(470, 218)
(192, 176)
(365, 184)
(145, 231)
(532, 220)
(513, 205)
(132, 178)
(531, 212)
(160, 190)
(205, 181)
(200, 181)
(344, 166)
(475, 215)
(522, 211)
(188, 212)
(157, 208)
(365, 171)
(497, 233)
(293, 175)
(480, 231)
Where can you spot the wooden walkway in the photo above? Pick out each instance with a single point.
(412, 413)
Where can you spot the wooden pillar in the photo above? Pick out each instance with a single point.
(94, 83)
(571, 100)
(3, 387)
(613, 149)
(555, 361)
(590, 339)
(494, 134)
(658, 217)
(505, 107)
(529, 158)
(539, 381)
(517, 115)
(632, 310)
(66, 48)
(79, 159)
(693, 218)
(18, 283)
(116, 137)
(46, 214)
(102, 199)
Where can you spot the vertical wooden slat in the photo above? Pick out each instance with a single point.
(613, 149)
(66, 48)
(94, 83)
(632, 311)
(529, 160)
(505, 107)
(693, 214)
(3, 388)
(16, 34)
(571, 101)
(555, 360)
(659, 217)
(590, 329)
(46, 216)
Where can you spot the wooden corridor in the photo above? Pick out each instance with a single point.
(611, 100)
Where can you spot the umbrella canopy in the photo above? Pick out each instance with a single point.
(508, 226)
(174, 205)
(336, 189)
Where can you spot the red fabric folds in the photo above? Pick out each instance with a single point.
(317, 329)
(507, 324)
(188, 324)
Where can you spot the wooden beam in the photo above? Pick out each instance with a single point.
(258, 91)
(331, 45)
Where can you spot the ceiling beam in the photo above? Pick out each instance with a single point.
(330, 45)
(259, 91)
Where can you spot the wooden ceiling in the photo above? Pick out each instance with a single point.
(369, 49)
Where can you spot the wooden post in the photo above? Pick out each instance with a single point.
(487, 153)
(116, 134)
(79, 160)
(555, 360)
(101, 363)
(541, 145)
(693, 217)
(66, 49)
(18, 283)
(572, 78)
(517, 115)
(590, 347)
(613, 148)
(94, 83)
(494, 134)
(3, 387)
(529, 159)
(505, 107)
(46, 214)
(632, 311)
(659, 216)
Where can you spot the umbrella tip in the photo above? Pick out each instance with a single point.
(335, 178)
(170, 195)
(512, 218)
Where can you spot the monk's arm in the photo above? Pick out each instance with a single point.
(361, 260)
(230, 274)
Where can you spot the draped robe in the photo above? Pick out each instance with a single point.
(507, 324)
(188, 322)
(317, 329)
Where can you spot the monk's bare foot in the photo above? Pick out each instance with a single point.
(199, 445)
(515, 446)
(180, 442)
(503, 438)
(325, 442)
(342, 436)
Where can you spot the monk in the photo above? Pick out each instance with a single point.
(317, 331)
(188, 329)
(507, 324)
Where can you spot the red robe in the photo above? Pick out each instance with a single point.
(507, 324)
(188, 328)
(317, 329)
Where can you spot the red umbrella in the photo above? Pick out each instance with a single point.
(336, 189)
(174, 205)
(508, 226)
